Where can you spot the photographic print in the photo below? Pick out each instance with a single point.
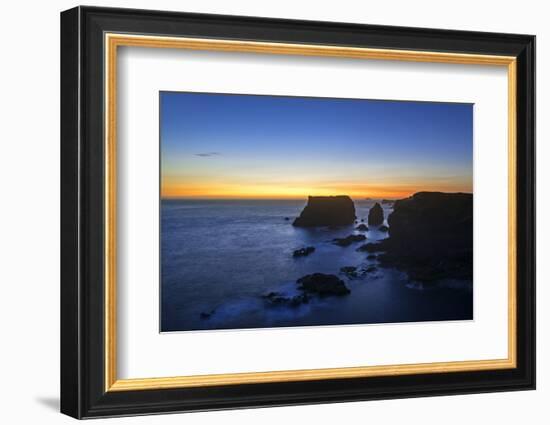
(281, 211)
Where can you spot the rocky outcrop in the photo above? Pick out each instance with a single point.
(352, 272)
(327, 211)
(348, 240)
(432, 220)
(372, 247)
(323, 284)
(376, 215)
(431, 236)
(303, 252)
(362, 228)
(277, 298)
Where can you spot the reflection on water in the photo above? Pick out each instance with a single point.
(219, 258)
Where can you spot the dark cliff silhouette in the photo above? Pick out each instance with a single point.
(431, 236)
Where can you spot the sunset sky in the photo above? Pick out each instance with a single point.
(242, 146)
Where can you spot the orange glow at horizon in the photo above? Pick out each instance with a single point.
(269, 191)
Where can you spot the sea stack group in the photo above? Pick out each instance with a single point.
(430, 233)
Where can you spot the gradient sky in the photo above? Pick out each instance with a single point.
(243, 146)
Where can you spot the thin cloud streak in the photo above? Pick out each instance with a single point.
(207, 154)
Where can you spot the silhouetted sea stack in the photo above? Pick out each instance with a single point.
(431, 236)
(327, 211)
(376, 215)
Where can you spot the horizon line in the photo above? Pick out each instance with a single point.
(305, 197)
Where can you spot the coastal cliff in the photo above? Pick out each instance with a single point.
(327, 211)
(431, 236)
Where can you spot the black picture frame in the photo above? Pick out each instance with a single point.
(83, 392)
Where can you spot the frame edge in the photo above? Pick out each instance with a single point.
(70, 349)
(80, 394)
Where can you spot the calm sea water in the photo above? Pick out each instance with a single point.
(220, 257)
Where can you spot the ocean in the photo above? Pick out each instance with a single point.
(219, 258)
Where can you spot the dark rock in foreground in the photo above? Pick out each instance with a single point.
(371, 247)
(323, 284)
(276, 298)
(431, 236)
(376, 215)
(383, 228)
(348, 240)
(362, 228)
(303, 252)
(327, 211)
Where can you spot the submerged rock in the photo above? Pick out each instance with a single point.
(348, 240)
(376, 215)
(349, 271)
(323, 284)
(276, 298)
(362, 228)
(371, 247)
(207, 314)
(303, 252)
(327, 211)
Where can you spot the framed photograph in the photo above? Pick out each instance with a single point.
(261, 212)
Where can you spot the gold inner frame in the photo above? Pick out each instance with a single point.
(113, 41)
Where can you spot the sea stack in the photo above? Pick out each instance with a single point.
(376, 215)
(327, 211)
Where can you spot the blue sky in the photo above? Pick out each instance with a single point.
(231, 146)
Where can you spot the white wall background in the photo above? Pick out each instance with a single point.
(29, 213)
